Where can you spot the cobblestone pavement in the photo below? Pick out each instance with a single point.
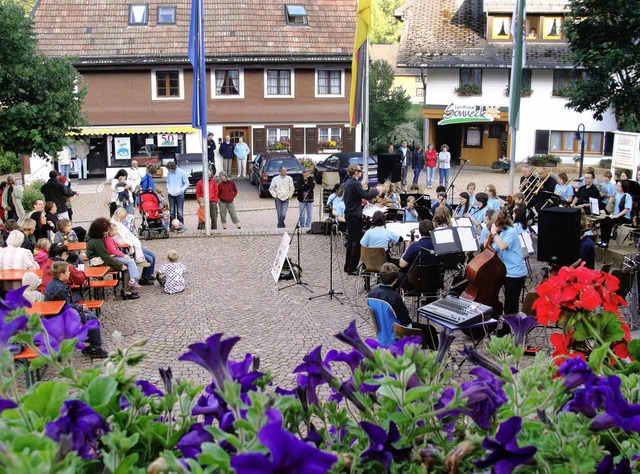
(230, 288)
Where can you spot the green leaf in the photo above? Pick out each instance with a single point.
(67, 348)
(597, 356)
(38, 362)
(100, 392)
(46, 399)
(213, 455)
(126, 464)
(606, 327)
(634, 348)
(418, 392)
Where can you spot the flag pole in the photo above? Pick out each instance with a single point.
(515, 84)
(365, 112)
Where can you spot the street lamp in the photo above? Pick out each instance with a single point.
(580, 135)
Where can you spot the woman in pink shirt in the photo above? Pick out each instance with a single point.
(115, 252)
(431, 159)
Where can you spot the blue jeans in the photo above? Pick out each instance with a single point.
(150, 257)
(176, 207)
(64, 170)
(430, 172)
(416, 174)
(306, 208)
(444, 177)
(281, 211)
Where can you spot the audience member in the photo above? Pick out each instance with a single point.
(227, 192)
(31, 293)
(14, 257)
(171, 275)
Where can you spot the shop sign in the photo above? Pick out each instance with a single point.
(469, 113)
(167, 139)
(624, 149)
(123, 148)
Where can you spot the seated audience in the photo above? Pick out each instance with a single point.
(28, 229)
(31, 293)
(14, 257)
(41, 253)
(116, 253)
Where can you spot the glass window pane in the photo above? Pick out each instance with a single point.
(166, 15)
(567, 138)
(595, 142)
(556, 141)
(137, 14)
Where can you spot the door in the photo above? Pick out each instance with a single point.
(235, 133)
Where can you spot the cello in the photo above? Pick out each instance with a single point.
(485, 275)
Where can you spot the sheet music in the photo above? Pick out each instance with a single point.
(594, 206)
(526, 243)
(463, 222)
(369, 211)
(468, 241)
(404, 229)
(443, 236)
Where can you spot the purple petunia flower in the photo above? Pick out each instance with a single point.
(13, 300)
(445, 339)
(6, 404)
(484, 396)
(505, 454)
(575, 372)
(213, 355)
(190, 442)
(352, 359)
(351, 337)
(167, 379)
(147, 388)
(82, 425)
(65, 326)
(381, 444)
(287, 453)
(317, 373)
(607, 466)
(478, 359)
(8, 329)
(240, 372)
(617, 410)
(520, 324)
(589, 399)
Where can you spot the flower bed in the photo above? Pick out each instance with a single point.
(398, 410)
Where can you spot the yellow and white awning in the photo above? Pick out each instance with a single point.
(129, 129)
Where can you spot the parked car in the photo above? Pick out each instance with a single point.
(190, 163)
(340, 162)
(266, 165)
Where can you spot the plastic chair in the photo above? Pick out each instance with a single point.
(400, 332)
(385, 317)
(371, 259)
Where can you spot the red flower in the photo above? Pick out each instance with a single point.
(590, 298)
(561, 343)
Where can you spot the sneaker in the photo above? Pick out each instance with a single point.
(130, 296)
(95, 352)
(181, 230)
(143, 264)
(133, 284)
(145, 282)
(602, 244)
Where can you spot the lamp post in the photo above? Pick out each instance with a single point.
(580, 135)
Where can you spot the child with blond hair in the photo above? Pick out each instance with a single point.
(171, 275)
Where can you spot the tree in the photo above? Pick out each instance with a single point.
(604, 38)
(39, 100)
(385, 28)
(387, 107)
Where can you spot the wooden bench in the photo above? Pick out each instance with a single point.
(93, 305)
(99, 286)
(25, 358)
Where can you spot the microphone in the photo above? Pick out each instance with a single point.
(465, 160)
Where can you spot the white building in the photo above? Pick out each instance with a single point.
(465, 47)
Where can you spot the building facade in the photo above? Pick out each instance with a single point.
(276, 72)
(466, 52)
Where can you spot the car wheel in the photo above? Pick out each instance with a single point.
(262, 193)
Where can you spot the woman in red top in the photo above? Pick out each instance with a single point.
(431, 159)
(227, 192)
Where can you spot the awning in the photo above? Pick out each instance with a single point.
(129, 129)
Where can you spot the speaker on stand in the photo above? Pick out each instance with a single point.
(559, 235)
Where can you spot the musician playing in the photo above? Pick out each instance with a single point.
(476, 213)
(492, 193)
(471, 189)
(486, 225)
(410, 212)
(547, 183)
(564, 188)
(528, 178)
(621, 213)
(587, 249)
(378, 236)
(507, 244)
(421, 252)
(581, 199)
(441, 201)
(441, 218)
(464, 206)
(389, 198)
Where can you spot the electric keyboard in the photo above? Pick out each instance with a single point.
(456, 311)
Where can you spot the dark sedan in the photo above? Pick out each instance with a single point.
(340, 162)
(266, 165)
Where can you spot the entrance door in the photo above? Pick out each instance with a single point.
(235, 133)
(452, 136)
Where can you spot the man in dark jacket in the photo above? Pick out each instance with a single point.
(305, 186)
(226, 151)
(354, 193)
(54, 191)
(211, 153)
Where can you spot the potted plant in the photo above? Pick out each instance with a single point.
(331, 145)
(468, 89)
(307, 163)
(525, 91)
(284, 143)
(543, 160)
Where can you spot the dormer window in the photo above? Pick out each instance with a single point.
(166, 15)
(138, 14)
(296, 14)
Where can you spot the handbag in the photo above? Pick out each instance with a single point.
(96, 262)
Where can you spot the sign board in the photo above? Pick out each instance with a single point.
(281, 256)
(625, 150)
(122, 148)
(469, 113)
(149, 141)
(167, 139)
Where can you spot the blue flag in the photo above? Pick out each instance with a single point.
(196, 58)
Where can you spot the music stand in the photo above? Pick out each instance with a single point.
(331, 293)
(451, 186)
(297, 278)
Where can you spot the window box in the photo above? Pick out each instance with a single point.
(468, 89)
(564, 91)
(525, 91)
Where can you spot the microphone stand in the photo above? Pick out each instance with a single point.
(451, 186)
(296, 231)
(331, 293)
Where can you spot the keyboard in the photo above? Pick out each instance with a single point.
(456, 311)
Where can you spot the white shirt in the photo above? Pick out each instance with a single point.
(64, 156)
(133, 178)
(282, 187)
(17, 258)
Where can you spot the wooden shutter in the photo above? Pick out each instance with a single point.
(348, 139)
(311, 137)
(298, 140)
(608, 144)
(259, 140)
(542, 142)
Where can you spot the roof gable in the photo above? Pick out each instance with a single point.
(99, 31)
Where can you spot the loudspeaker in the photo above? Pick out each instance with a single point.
(389, 167)
(559, 235)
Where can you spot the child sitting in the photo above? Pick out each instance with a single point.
(410, 213)
(166, 216)
(200, 202)
(31, 293)
(177, 225)
(57, 290)
(171, 275)
(113, 250)
(65, 233)
(41, 253)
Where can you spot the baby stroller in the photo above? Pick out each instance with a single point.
(151, 212)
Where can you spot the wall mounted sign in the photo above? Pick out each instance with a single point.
(469, 113)
(123, 148)
(167, 139)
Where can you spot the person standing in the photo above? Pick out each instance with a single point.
(282, 189)
(431, 160)
(406, 160)
(417, 163)
(12, 199)
(82, 151)
(56, 192)
(354, 192)
(306, 183)
(213, 199)
(227, 192)
(64, 161)
(241, 151)
(226, 151)
(133, 178)
(444, 164)
(211, 154)
(177, 184)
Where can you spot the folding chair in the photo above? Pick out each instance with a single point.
(371, 259)
(384, 317)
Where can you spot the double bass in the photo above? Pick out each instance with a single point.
(485, 276)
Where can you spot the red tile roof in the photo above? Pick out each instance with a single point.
(97, 31)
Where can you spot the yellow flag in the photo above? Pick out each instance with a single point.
(357, 67)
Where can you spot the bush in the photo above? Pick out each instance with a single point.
(31, 194)
(544, 160)
(605, 163)
(9, 163)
